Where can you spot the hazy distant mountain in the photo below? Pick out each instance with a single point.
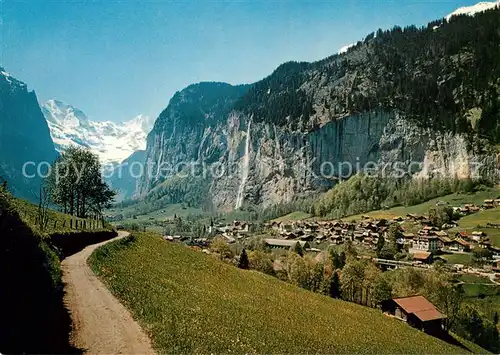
(24, 136)
(113, 142)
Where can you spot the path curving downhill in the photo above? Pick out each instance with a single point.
(101, 324)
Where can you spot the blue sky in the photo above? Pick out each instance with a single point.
(116, 59)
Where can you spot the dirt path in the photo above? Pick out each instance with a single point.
(101, 324)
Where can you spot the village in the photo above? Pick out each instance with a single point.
(423, 241)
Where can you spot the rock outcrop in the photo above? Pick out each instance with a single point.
(24, 138)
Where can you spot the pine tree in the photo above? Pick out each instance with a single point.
(243, 262)
(380, 245)
(297, 248)
(335, 288)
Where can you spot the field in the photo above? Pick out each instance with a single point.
(478, 286)
(455, 199)
(478, 222)
(190, 302)
(463, 259)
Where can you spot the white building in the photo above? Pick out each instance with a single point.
(426, 243)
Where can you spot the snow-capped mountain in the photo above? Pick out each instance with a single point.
(474, 9)
(112, 142)
(346, 48)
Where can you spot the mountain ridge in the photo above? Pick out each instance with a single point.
(112, 142)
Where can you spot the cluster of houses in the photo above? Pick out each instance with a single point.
(422, 244)
(332, 232)
(236, 231)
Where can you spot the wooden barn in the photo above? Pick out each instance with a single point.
(417, 311)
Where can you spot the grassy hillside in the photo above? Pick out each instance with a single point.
(34, 319)
(455, 199)
(190, 302)
(58, 222)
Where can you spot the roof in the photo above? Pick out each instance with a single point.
(462, 242)
(283, 242)
(420, 307)
(429, 314)
(445, 239)
(421, 255)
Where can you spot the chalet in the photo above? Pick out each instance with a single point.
(422, 256)
(462, 235)
(484, 243)
(428, 230)
(290, 236)
(307, 237)
(242, 226)
(414, 217)
(408, 238)
(285, 228)
(441, 234)
(444, 242)
(471, 208)
(459, 245)
(425, 243)
(284, 244)
(488, 204)
(336, 239)
(381, 222)
(449, 225)
(495, 251)
(417, 311)
(320, 237)
(477, 236)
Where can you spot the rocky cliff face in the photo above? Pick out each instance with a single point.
(263, 164)
(24, 136)
(399, 101)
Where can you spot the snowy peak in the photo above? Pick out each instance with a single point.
(474, 9)
(346, 48)
(59, 113)
(112, 142)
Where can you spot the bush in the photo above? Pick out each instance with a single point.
(220, 246)
(260, 261)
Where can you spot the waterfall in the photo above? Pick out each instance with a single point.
(158, 165)
(244, 170)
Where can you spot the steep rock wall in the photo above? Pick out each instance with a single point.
(263, 164)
